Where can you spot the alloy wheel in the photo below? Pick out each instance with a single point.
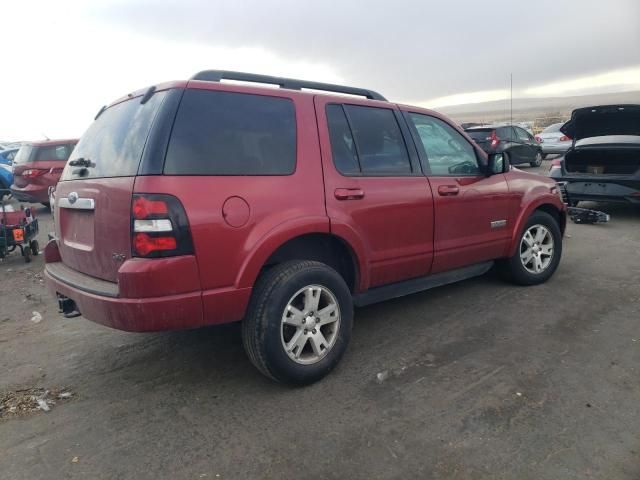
(536, 249)
(310, 324)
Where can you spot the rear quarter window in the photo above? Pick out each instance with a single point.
(226, 133)
(24, 154)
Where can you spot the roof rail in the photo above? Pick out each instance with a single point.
(288, 83)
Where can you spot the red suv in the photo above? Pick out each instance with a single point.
(202, 202)
(38, 166)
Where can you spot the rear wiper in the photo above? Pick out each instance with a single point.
(81, 162)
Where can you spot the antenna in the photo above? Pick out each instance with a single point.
(47, 138)
(511, 98)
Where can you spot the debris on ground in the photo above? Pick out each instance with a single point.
(75, 460)
(29, 400)
(382, 376)
(36, 317)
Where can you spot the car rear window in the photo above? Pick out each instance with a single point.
(479, 135)
(53, 153)
(553, 128)
(226, 133)
(115, 140)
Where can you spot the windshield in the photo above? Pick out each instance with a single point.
(114, 142)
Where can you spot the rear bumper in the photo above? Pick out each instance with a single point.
(133, 314)
(31, 193)
(600, 191)
(554, 149)
(144, 300)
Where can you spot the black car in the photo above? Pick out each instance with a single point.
(519, 143)
(603, 163)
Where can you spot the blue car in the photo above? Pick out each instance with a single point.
(6, 179)
(7, 156)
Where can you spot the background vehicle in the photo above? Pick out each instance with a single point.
(18, 230)
(603, 163)
(37, 166)
(7, 155)
(6, 179)
(553, 141)
(283, 208)
(517, 142)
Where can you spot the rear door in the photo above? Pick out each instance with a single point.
(527, 146)
(93, 198)
(471, 210)
(375, 191)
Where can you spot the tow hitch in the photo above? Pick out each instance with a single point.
(67, 307)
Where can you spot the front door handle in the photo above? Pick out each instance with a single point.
(349, 193)
(446, 190)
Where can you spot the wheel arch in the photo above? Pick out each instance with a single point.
(549, 204)
(302, 242)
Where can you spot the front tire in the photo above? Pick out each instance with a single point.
(538, 253)
(299, 321)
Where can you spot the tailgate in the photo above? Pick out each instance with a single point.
(93, 198)
(93, 225)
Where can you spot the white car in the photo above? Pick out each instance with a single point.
(553, 141)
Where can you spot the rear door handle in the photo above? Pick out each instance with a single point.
(447, 190)
(349, 193)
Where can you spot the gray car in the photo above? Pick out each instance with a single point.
(553, 141)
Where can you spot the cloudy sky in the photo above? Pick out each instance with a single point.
(62, 60)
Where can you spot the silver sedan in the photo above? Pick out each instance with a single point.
(553, 141)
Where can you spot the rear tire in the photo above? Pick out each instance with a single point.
(538, 253)
(538, 161)
(298, 323)
(35, 247)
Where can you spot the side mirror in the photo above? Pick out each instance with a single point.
(497, 163)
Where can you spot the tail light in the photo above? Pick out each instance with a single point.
(564, 138)
(34, 172)
(159, 227)
(495, 140)
(556, 165)
(538, 138)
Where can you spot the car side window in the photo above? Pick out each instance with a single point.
(448, 152)
(343, 148)
(522, 134)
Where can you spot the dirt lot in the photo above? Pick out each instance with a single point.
(480, 380)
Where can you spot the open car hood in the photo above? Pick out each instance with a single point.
(603, 120)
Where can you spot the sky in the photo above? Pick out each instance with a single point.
(62, 60)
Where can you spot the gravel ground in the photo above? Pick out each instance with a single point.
(479, 380)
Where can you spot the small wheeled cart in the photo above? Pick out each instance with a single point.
(18, 229)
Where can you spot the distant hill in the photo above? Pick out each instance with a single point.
(527, 109)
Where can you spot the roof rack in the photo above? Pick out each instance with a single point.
(288, 83)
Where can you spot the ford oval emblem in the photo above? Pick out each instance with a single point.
(73, 197)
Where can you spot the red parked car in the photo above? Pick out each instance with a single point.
(202, 202)
(38, 166)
